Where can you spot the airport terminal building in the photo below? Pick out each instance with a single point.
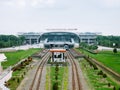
(59, 39)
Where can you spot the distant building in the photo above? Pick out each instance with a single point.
(87, 37)
(59, 39)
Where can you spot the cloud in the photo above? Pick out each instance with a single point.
(110, 3)
(42, 3)
(107, 3)
(31, 3)
(51, 2)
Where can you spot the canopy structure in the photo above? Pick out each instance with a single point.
(57, 50)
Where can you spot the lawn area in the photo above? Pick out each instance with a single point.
(108, 58)
(65, 79)
(95, 81)
(48, 79)
(14, 57)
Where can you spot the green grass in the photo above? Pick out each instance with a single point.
(60, 77)
(108, 58)
(14, 57)
(47, 83)
(65, 79)
(96, 82)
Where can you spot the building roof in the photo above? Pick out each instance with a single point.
(2, 57)
(57, 50)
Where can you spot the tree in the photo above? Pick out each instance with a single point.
(10, 40)
(108, 41)
(104, 76)
(115, 50)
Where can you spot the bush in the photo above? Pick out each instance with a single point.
(29, 58)
(114, 88)
(56, 77)
(95, 67)
(13, 79)
(104, 76)
(18, 80)
(57, 68)
(100, 73)
(90, 47)
(109, 84)
(115, 50)
(55, 86)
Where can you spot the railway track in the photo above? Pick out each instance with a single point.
(76, 84)
(35, 85)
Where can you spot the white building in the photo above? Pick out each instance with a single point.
(48, 38)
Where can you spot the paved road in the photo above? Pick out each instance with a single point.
(106, 48)
(23, 47)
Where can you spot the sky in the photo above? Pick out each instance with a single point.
(38, 15)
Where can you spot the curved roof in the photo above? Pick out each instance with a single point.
(59, 33)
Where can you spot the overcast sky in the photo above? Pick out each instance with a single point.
(38, 15)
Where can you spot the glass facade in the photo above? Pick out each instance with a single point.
(59, 37)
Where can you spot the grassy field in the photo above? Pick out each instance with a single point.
(95, 81)
(108, 58)
(14, 57)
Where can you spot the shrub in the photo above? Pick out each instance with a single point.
(24, 73)
(29, 58)
(109, 84)
(13, 79)
(56, 77)
(114, 88)
(100, 72)
(115, 50)
(104, 75)
(55, 86)
(18, 80)
(57, 68)
(95, 67)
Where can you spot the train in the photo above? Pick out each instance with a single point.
(66, 47)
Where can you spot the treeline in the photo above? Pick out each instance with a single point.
(109, 41)
(10, 40)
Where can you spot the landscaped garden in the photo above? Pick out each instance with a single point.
(108, 58)
(96, 78)
(14, 57)
(58, 78)
(21, 68)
